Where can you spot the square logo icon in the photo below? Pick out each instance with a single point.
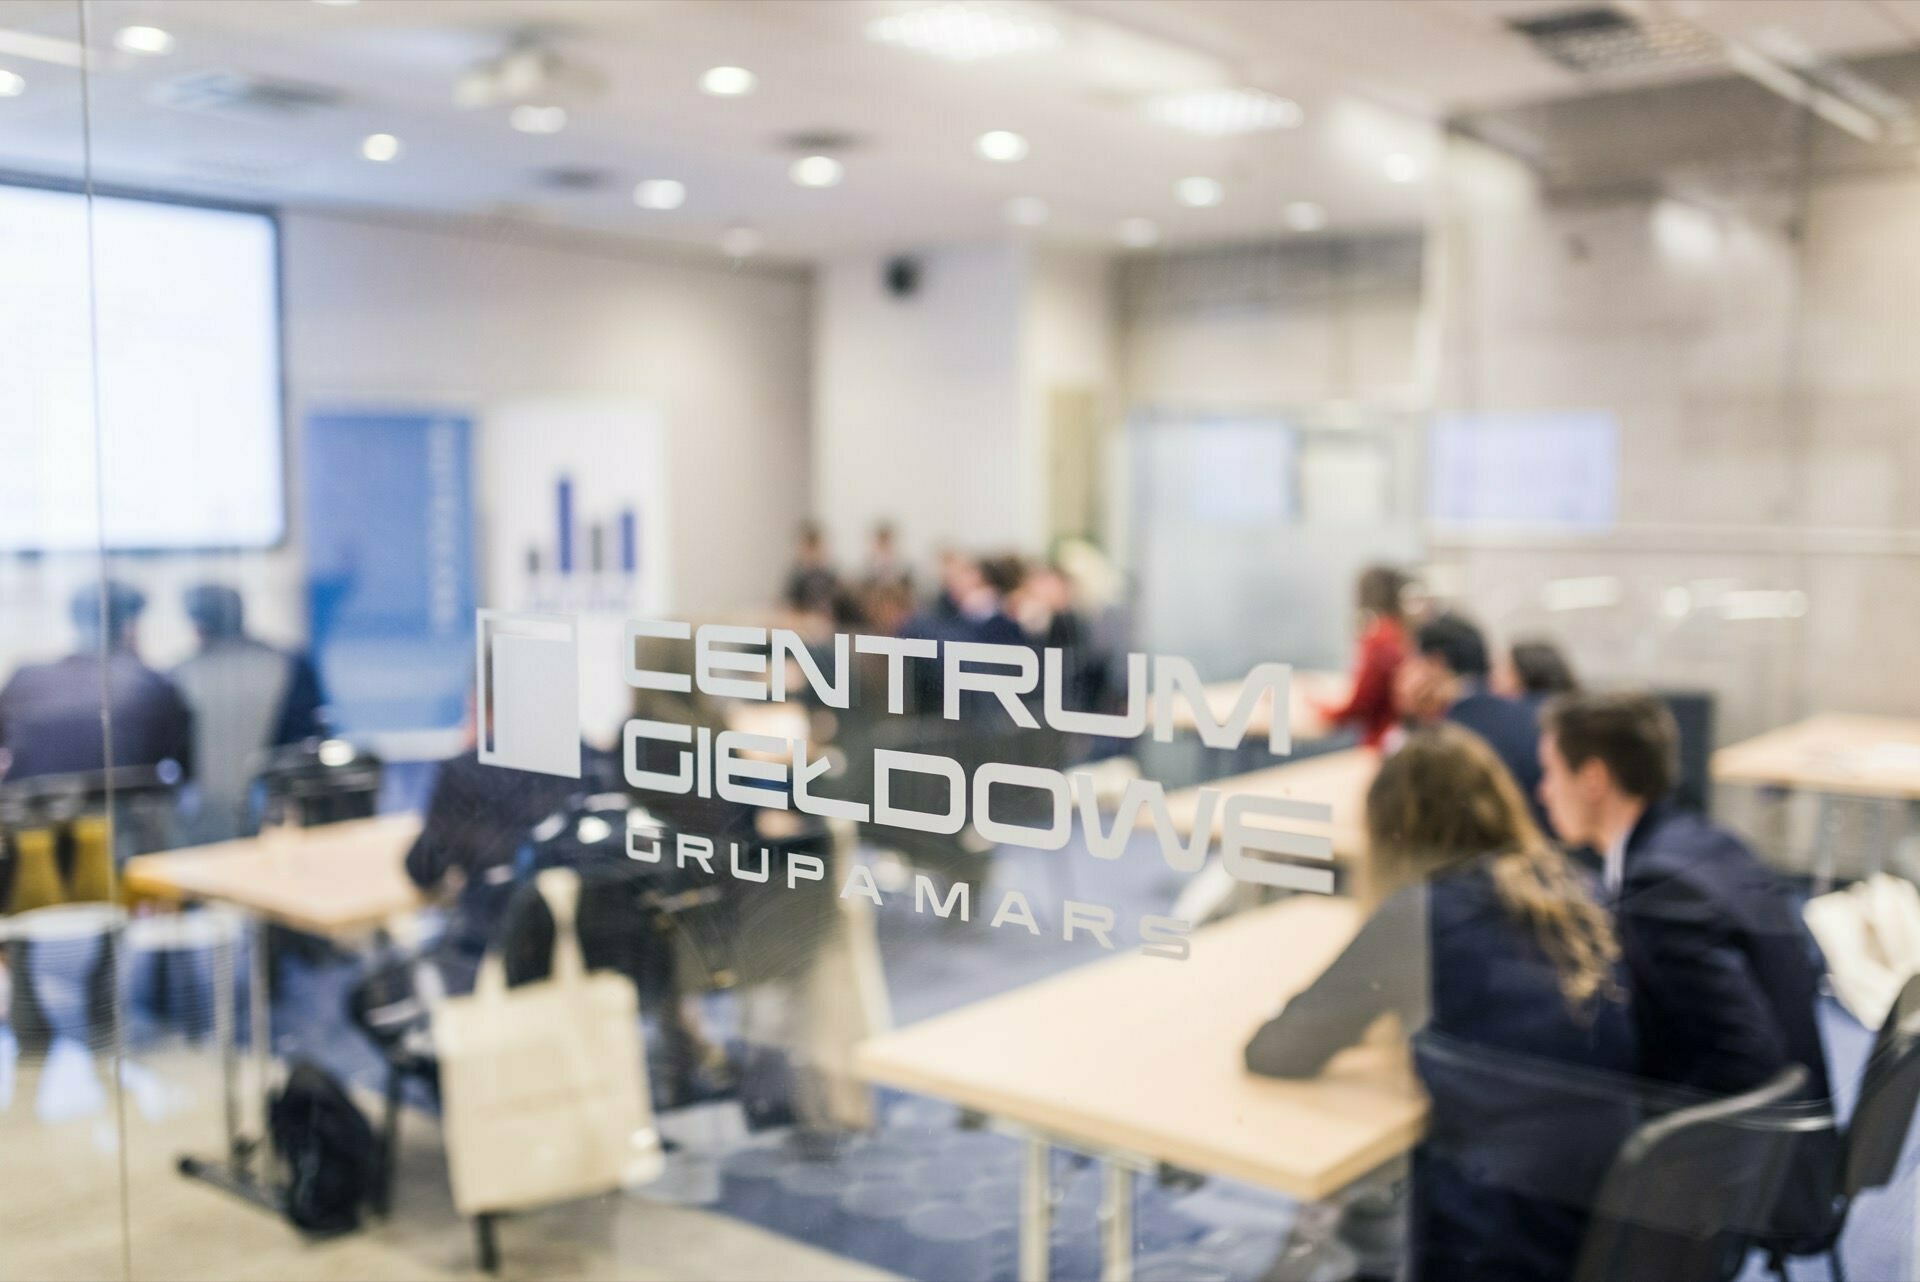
(527, 692)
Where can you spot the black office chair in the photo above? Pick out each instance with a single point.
(1868, 1155)
(1693, 716)
(1692, 1188)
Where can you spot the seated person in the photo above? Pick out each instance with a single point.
(478, 816)
(1382, 649)
(1490, 938)
(1447, 679)
(1533, 672)
(246, 696)
(50, 713)
(1725, 977)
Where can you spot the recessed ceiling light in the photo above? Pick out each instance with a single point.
(1400, 167)
(1001, 144)
(337, 3)
(741, 242)
(1137, 233)
(1221, 113)
(142, 40)
(12, 84)
(380, 147)
(728, 82)
(1304, 215)
(966, 30)
(816, 171)
(660, 193)
(1199, 193)
(1026, 211)
(529, 119)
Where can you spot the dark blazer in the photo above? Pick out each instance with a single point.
(50, 716)
(1511, 728)
(1725, 976)
(1726, 981)
(1511, 1159)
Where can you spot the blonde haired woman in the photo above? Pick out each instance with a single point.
(1489, 941)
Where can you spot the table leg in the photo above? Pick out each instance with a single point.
(226, 963)
(246, 1170)
(1116, 1224)
(260, 1037)
(1825, 856)
(1036, 1210)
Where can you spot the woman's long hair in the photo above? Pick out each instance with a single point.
(1444, 799)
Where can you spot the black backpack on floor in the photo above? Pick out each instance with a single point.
(331, 1157)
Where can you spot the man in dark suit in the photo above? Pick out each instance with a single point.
(50, 713)
(1725, 977)
(1447, 678)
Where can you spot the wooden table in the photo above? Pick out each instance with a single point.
(338, 880)
(1308, 688)
(1842, 755)
(335, 880)
(1833, 755)
(1337, 779)
(1138, 1060)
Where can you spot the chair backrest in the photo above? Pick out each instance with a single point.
(1693, 717)
(1889, 1089)
(1689, 1187)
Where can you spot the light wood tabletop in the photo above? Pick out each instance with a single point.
(1308, 689)
(1338, 779)
(336, 879)
(1845, 755)
(1143, 1055)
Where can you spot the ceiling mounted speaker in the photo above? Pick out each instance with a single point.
(901, 276)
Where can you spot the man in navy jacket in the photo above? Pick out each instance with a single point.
(1725, 977)
(1447, 679)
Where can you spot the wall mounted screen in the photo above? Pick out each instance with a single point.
(171, 319)
(1526, 470)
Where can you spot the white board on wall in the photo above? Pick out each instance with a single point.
(574, 513)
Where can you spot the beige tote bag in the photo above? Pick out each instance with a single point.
(544, 1086)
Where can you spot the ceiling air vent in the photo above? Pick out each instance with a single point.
(234, 93)
(1600, 40)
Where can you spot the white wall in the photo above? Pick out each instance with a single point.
(1762, 379)
(919, 405)
(387, 313)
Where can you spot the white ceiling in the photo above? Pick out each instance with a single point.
(1372, 76)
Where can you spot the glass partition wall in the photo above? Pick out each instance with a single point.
(855, 639)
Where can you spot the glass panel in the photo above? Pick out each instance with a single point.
(963, 639)
(65, 629)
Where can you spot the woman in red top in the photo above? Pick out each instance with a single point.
(1383, 646)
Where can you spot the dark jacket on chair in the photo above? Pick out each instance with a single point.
(1503, 1180)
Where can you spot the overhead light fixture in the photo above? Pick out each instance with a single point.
(1138, 233)
(1304, 215)
(380, 148)
(338, 4)
(966, 30)
(728, 82)
(1027, 211)
(1001, 144)
(816, 171)
(1400, 167)
(12, 84)
(530, 119)
(1199, 193)
(660, 193)
(1223, 113)
(741, 242)
(147, 40)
